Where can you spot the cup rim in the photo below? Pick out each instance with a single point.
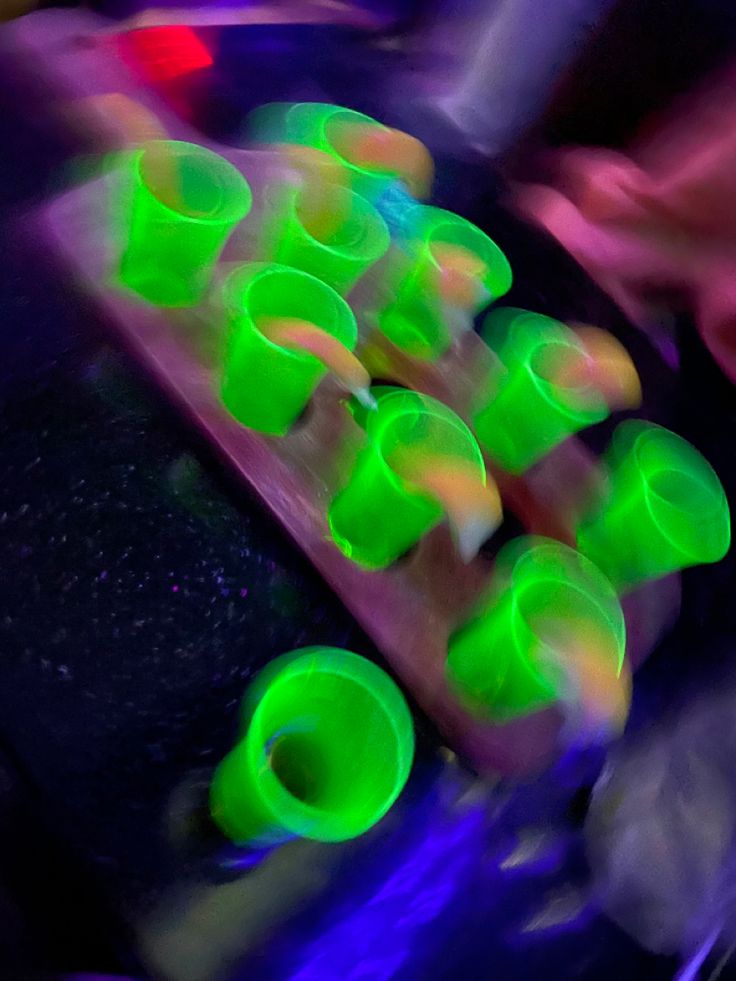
(226, 172)
(375, 229)
(563, 337)
(601, 588)
(701, 473)
(255, 272)
(358, 117)
(437, 409)
(289, 810)
(433, 219)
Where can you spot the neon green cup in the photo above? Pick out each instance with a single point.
(527, 413)
(665, 508)
(379, 514)
(338, 241)
(327, 748)
(508, 659)
(315, 124)
(418, 319)
(186, 200)
(266, 386)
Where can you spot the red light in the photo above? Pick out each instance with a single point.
(163, 53)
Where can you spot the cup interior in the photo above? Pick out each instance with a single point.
(193, 182)
(339, 133)
(683, 494)
(410, 429)
(455, 231)
(279, 291)
(565, 603)
(342, 221)
(332, 753)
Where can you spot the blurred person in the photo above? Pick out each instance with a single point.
(656, 227)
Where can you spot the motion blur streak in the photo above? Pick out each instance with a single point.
(377, 939)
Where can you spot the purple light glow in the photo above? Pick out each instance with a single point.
(374, 941)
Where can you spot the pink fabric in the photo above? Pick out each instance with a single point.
(661, 224)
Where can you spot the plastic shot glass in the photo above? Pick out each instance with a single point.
(386, 505)
(530, 408)
(665, 508)
(185, 201)
(371, 156)
(327, 747)
(518, 653)
(451, 272)
(265, 385)
(335, 234)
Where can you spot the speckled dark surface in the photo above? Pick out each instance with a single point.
(142, 588)
(144, 596)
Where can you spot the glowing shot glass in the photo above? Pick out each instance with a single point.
(370, 155)
(265, 385)
(327, 747)
(665, 508)
(185, 201)
(452, 270)
(388, 503)
(521, 649)
(336, 235)
(530, 408)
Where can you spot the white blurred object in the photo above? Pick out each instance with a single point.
(661, 833)
(512, 60)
